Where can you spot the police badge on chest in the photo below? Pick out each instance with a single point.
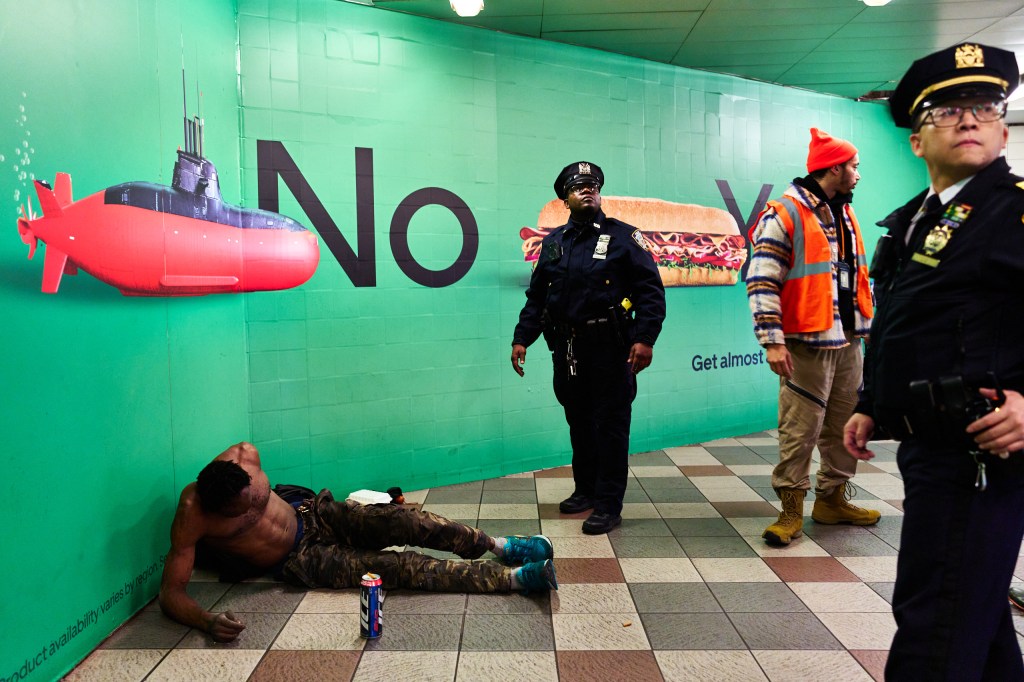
(601, 250)
(940, 235)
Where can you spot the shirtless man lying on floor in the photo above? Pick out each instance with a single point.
(320, 542)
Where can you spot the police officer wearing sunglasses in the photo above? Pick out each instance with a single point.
(597, 297)
(944, 371)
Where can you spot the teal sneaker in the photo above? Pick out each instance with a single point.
(537, 576)
(1017, 597)
(523, 550)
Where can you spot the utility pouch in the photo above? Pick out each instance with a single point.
(941, 410)
(616, 327)
(600, 330)
(883, 263)
(968, 405)
(622, 318)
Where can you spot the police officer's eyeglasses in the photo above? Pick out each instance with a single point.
(584, 187)
(947, 117)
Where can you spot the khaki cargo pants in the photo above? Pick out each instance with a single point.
(814, 405)
(343, 540)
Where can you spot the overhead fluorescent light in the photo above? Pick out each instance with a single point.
(876, 3)
(467, 8)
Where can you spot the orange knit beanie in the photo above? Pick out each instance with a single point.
(826, 151)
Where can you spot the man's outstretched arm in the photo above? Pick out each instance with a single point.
(175, 601)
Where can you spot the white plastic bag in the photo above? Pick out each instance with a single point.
(369, 497)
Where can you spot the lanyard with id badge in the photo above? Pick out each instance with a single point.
(844, 275)
(843, 278)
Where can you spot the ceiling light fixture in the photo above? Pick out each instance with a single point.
(875, 3)
(470, 8)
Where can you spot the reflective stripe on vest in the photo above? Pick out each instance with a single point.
(800, 266)
(807, 295)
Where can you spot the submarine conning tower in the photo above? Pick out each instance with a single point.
(193, 173)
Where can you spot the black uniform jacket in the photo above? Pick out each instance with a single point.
(964, 316)
(574, 284)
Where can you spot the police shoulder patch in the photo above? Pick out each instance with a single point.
(641, 241)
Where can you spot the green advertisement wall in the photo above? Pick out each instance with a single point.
(417, 151)
(383, 380)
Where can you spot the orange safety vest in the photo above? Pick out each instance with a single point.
(807, 292)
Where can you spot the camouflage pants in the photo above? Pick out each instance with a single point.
(343, 540)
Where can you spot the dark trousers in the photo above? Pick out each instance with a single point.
(598, 405)
(958, 550)
(343, 540)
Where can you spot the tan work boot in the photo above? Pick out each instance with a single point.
(833, 507)
(791, 519)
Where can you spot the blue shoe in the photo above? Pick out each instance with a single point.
(522, 550)
(537, 576)
(1017, 597)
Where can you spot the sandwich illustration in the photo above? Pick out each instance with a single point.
(692, 245)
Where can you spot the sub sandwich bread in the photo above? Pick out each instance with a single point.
(691, 245)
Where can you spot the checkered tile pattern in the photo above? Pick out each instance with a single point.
(684, 589)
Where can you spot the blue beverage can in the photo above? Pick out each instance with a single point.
(371, 604)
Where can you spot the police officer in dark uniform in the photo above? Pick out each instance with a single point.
(944, 371)
(597, 297)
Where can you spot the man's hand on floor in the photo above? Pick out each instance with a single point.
(225, 627)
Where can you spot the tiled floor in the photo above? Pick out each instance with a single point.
(685, 589)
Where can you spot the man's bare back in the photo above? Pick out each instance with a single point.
(262, 534)
(257, 527)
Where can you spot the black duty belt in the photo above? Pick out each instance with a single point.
(599, 327)
(929, 429)
(898, 426)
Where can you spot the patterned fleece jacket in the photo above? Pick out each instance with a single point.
(769, 266)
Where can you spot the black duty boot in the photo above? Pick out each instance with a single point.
(600, 522)
(575, 503)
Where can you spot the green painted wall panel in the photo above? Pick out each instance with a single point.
(492, 118)
(109, 403)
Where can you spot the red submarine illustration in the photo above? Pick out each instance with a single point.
(153, 240)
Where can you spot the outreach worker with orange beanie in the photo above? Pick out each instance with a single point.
(809, 294)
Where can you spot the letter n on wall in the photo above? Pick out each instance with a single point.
(273, 161)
